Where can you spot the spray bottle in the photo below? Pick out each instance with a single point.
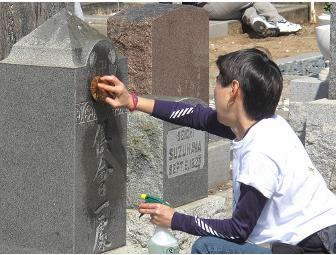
(162, 241)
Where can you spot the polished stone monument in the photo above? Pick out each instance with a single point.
(19, 19)
(167, 46)
(62, 156)
(166, 160)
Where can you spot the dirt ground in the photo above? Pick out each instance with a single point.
(280, 47)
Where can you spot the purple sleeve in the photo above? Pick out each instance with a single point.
(194, 116)
(237, 229)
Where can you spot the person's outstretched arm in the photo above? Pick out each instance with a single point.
(194, 116)
(120, 98)
(198, 117)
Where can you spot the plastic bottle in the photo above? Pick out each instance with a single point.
(162, 241)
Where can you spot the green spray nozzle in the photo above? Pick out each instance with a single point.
(152, 199)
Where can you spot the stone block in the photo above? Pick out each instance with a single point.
(167, 46)
(320, 140)
(300, 111)
(314, 122)
(165, 160)
(219, 170)
(62, 156)
(307, 89)
(297, 119)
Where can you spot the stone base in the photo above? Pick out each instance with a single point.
(139, 231)
(307, 89)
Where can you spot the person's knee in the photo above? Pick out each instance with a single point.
(200, 246)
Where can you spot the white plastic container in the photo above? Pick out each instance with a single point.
(323, 42)
(324, 19)
(162, 242)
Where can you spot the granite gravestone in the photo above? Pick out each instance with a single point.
(62, 156)
(314, 123)
(167, 46)
(166, 160)
(19, 19)
(320, 139)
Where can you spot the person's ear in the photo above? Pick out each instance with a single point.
(235, 90)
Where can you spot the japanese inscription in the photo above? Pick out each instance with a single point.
(102, 213)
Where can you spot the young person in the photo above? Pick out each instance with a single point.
(279, 196)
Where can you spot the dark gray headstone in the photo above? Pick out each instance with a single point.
(62, 156)
(332, 74)
(167, 46)
(19, 19)
(166, 160)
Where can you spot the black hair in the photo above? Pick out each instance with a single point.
(259, 77)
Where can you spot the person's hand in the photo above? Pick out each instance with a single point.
(161, 215)
(119, 94)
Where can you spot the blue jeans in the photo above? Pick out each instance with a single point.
(209, 244)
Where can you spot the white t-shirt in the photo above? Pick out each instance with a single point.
(272, 159)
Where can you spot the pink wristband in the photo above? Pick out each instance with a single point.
(135, 101)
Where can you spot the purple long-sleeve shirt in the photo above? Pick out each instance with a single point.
(250, 203)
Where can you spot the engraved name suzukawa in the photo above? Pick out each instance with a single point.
(185, 151)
